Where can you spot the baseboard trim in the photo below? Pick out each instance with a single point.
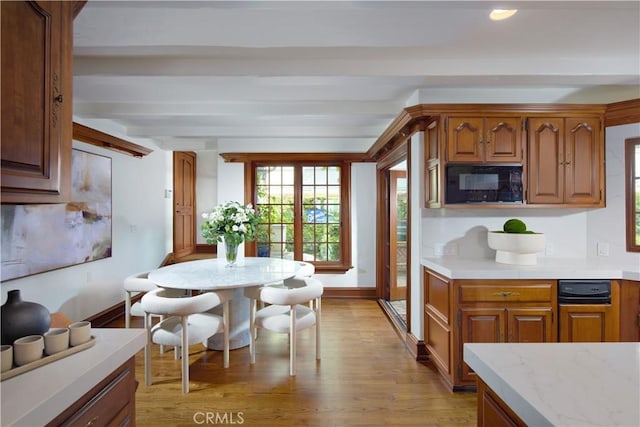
(417, 348)
(349, 293)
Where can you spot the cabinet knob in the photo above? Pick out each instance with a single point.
(58, 98)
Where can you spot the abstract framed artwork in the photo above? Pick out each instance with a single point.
(39, 238)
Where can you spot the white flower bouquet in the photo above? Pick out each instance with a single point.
(231, 223)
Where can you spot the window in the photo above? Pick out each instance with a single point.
(632, 160)
(304, 211)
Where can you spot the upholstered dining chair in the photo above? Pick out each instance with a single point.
(134, 284)
(286, 313)
(306, 270)
(186, 321)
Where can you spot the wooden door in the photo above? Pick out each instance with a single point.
(464, 139)
(36, 101)
(586, 323)
(502, 141)
(184, 189)
(583, 164)
(546, 160)
(530, 325)
(398, 198)
(479, 325)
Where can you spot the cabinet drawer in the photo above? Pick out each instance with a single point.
(527, 293)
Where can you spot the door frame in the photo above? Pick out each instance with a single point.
(399, 153)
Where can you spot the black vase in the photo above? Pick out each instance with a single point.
(22, 318)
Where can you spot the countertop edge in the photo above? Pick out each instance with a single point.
(527, 412)
(469, 268)
(113, 348)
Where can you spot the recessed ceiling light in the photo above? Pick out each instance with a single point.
(500, 14)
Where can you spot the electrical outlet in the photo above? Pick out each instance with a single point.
(438, 249)
(603, 249)
(450, 249)
(548, 249)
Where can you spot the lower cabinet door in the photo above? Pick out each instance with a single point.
(479, 325)
(586, 323)
(492, 411)
(530, 325)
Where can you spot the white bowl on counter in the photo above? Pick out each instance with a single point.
(516, 248)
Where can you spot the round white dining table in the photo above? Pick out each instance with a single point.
(214, 274)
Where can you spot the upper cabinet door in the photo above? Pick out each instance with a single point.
(503, 139)
(584, 151)
(36, 101)
(464, 139)
(546, 160)
(484, 139)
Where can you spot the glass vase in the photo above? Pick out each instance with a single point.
(231, 252)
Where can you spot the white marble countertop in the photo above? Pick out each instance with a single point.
(563, 384)
(546, 268)
(36, 397)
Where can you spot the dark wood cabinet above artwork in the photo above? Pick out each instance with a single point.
(37, 49)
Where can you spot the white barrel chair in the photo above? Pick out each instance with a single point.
(286, 313)
(187, 320)
(133, 284)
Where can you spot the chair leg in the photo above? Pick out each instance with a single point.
(252, 331)
(127, 310)
(147, 351)
(185, 355)
(292, 341)
(225, 319)
(318, 319)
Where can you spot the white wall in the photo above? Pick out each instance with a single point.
(608, 225)
(206, 186)
(137, 200)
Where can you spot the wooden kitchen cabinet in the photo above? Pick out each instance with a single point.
(591, 322)
(494, 311)
(432, 166)
(492, 411)
(495, 139)
(565, 161)
(438, 322)
(630, 311)
(110, 403)
(36, 124)
(483, 311)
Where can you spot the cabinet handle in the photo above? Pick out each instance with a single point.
(93, 421)
(506, 294)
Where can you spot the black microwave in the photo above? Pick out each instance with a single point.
(467, 183)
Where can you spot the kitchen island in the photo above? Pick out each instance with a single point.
(76, 388)
(558, 384)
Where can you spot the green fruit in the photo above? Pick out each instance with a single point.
(514, 226)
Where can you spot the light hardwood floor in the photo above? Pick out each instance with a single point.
(365, 378)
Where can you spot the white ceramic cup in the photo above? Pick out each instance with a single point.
(56, 340)
(27, 349)
(79, 333)
(6, 357)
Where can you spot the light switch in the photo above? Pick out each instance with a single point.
(603, 249)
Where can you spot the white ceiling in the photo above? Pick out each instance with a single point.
(331, 75)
